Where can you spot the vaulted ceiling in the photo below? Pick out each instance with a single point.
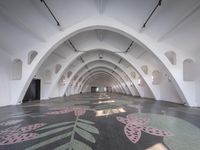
(111, 43)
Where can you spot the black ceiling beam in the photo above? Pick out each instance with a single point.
(120, 60)
(86, 66)
(126, 51)
(82, 59)
(72, 45)
(43, 1)
(76, 50)
(159, 4)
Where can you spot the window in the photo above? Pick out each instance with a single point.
(171, 56)
(31, 56)
(17, 69)
(188, 70)
(144, 69)
(155, 77)
(57, 68)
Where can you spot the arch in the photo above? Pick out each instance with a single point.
(117, 83)
(116, 76)
(153, 90)
(188, 70)
(17, 69)
(31, 56)
(171, 56)
(93, 68)
(57, 68)
(94, 79)
(115, 73)
(103, 22)
(156, 77)
(62, 80)
(110, 61)
(144, 69)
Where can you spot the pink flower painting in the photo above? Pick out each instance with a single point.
(11, 122)
(78, 111)
(134, 126)
(17, 134)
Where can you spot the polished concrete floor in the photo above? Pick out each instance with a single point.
(100, 121)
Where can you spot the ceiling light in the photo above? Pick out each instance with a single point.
(100, 56)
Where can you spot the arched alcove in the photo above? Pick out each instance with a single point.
(155, 77)
(47, 76)
(140, 81)
(16, 69)
(31, 56)
(62, 80)
(144, 69)
(69, 74)
(133, 74)
(57, 68)
(188, 70)
(171, 56)
(75, 77)
(126, 78)
(80, 79)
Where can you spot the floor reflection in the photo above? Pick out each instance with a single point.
(158, 146)
(103, 96)
(107, 112)
(104, 102)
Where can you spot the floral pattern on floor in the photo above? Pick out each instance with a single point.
(135, 125)
(182, 134)
(120, 122)
(17, 134)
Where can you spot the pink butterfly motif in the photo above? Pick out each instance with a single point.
(78, 111)
(135, 126)
(11, 122)
(17, 134)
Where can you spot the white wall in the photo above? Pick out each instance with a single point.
(197, 78)
(167, 90)
(5, 67)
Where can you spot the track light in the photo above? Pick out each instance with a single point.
(43, 1)
(159, 4)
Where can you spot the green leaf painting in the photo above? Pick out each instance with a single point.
(185, 134)
(85, 134)
(49, 141)
(86, 121)
(78, 145)
(56, 125)
(68, 131)
(88, 127)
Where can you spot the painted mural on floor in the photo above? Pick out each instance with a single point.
(99, 122)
